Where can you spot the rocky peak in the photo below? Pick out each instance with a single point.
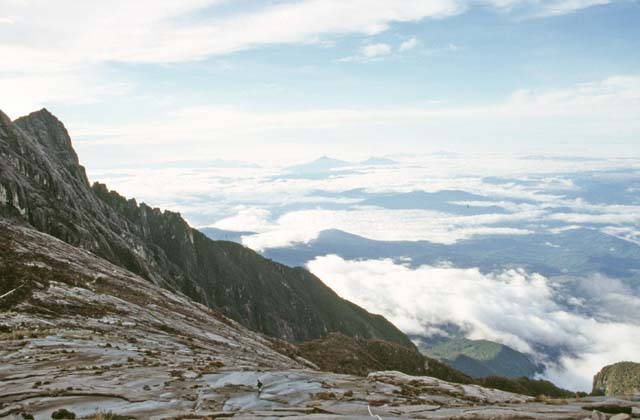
(622, 378)
(42, 183)
(50, 133)
(4, 119)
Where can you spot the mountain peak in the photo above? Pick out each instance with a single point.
(329, 159)
(42, 184)
(320, 165)
(4, 118)
(50, 133)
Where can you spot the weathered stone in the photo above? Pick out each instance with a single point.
(621, 378)
(621, 416)
(597, 415)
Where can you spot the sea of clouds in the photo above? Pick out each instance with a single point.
(522, 310)
(590, 321)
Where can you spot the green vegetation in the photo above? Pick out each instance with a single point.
(356, 356)
(479, 358)
(527, 386)
(342, 354)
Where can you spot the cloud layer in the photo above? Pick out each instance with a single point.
(522, 310)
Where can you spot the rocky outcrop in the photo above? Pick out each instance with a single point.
(619, 379)
(43, 184)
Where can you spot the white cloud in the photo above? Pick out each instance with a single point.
(247, 219)
(537, 8)
(606, 218)
(562, 7)
(67, 43)
(376, 50)
(370, 52)
(215, 193)
(513, 307)
(631, 234)
(169, 31)
(409, 44)
(374, 223)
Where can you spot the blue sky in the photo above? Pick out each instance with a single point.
(289, 80)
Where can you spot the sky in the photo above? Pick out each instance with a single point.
(284, 81)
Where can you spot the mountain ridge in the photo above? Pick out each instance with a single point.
(43, 183)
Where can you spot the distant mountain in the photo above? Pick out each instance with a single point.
(320, 165)
(618, 379)
(43, 184)
(224, 235)
(479, 358)
(574, 252)
(338, 353)
(374, 161)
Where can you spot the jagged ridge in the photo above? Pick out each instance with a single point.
(43, 183)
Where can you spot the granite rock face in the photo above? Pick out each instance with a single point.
(619, 379)
(43, 184)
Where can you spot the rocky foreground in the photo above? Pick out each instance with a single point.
(81, 334)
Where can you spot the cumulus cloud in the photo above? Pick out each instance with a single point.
(409, 44)
(513, 307)
(370, 52)
(376, 50)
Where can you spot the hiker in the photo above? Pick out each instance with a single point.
(259, 386)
